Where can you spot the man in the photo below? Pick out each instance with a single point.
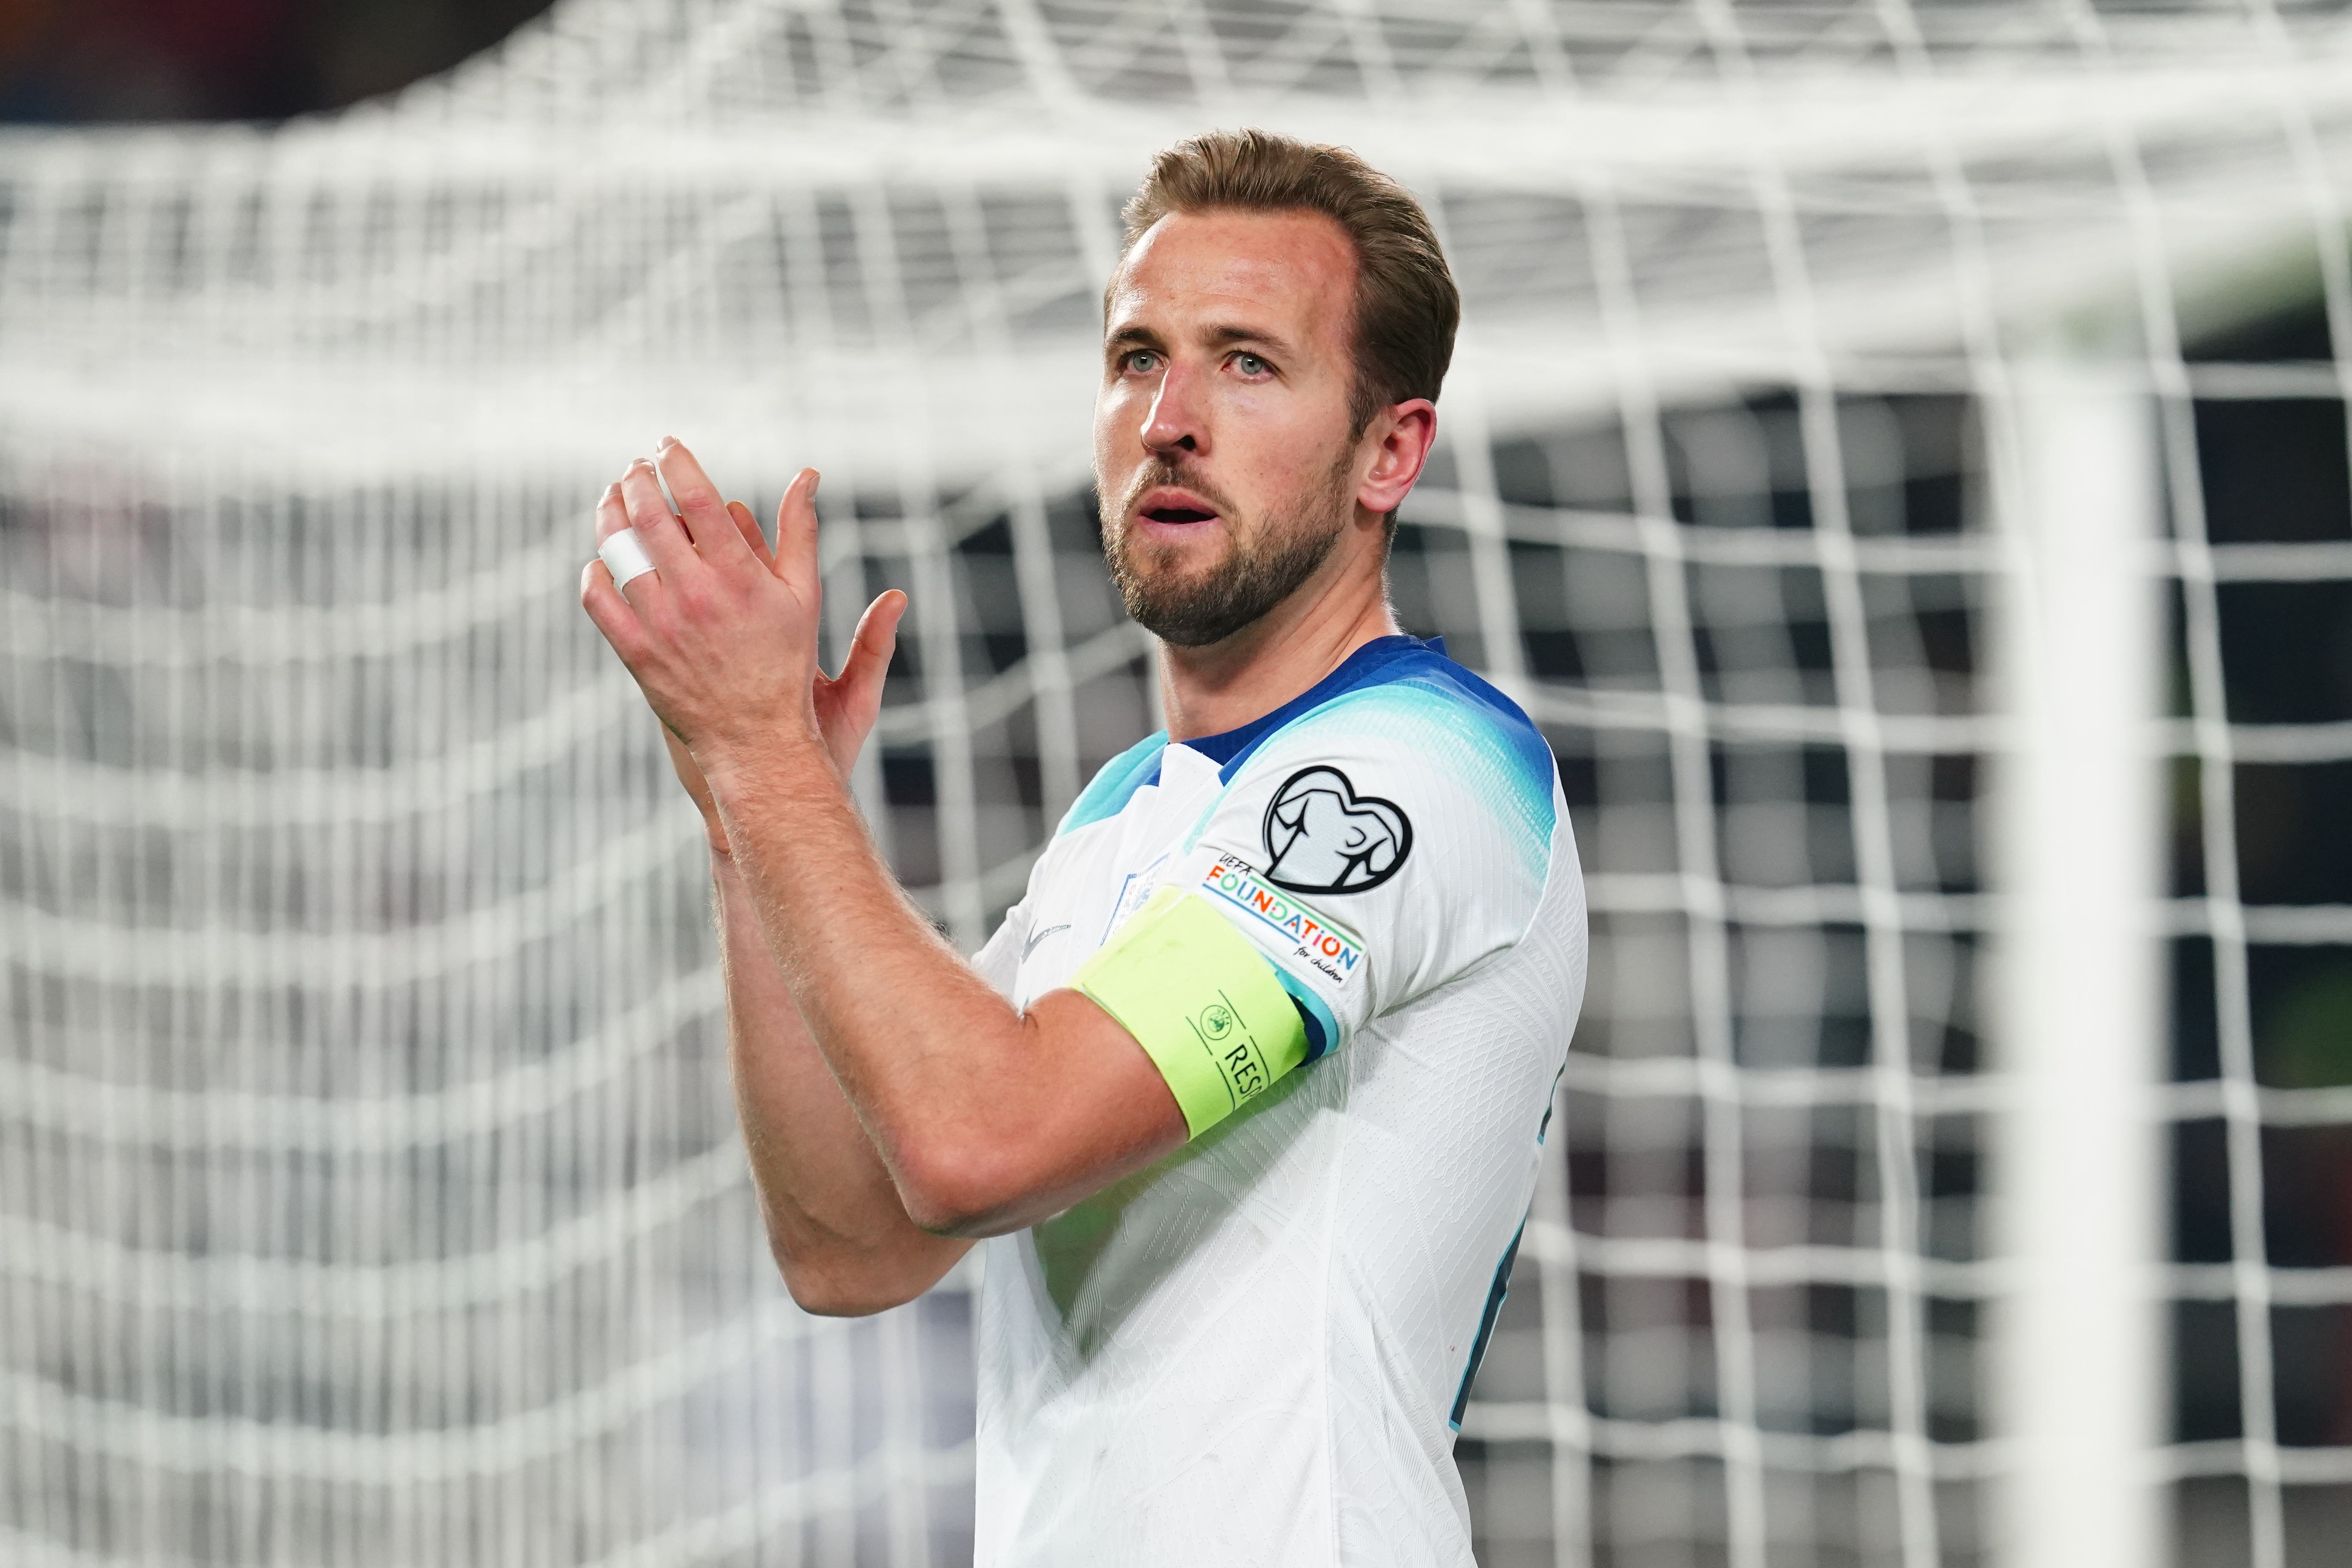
(1247, 1092)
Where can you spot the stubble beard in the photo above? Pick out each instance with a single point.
(1261, 567)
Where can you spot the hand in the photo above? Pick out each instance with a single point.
(611, 516)
(846, 704)
(717, 591)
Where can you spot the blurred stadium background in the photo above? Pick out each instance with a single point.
(1896, 450)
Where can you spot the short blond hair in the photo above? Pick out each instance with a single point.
(1407, 307)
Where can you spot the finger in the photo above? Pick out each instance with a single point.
(612, 521)
(698, 501)
(612, 513)
(658, 530)
(868, 660)
(749, 528)
(796, 529)
(611, 612)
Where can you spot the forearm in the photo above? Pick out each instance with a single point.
(985, 1117)
(892, 1007)
(834, 1220)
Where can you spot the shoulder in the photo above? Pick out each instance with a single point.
(1111, 788)
(1412, 818)
(1424, 733)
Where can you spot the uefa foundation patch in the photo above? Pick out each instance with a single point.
(1335, 955)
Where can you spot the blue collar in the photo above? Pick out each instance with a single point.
(1354, 670)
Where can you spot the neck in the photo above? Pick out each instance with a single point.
(1223, 685)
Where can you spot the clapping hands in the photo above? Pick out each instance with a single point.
(721, 636)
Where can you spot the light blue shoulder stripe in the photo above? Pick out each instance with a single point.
(1482, 733)
(1485, 740)
(1115, 785)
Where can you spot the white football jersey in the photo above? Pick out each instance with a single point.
(1257, 1350)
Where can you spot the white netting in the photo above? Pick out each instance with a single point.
(368, 1183)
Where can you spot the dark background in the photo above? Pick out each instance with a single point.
(2274, 472)
(72, 62)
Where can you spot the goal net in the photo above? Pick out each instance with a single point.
(1895, 450)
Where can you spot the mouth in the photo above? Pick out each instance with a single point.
(1175, 508)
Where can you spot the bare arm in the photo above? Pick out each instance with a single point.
(834, 1223)
(985, 1118)
(988, 1118)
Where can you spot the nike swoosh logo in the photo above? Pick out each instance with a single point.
(1030, 945)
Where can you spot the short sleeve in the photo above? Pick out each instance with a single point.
(1386, 843)
(999, 958)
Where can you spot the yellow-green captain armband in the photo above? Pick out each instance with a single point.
(1202, 1002)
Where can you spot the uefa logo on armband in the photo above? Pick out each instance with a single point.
(1321, 836)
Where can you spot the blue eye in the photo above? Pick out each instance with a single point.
(1140, 360)
(1250, 365)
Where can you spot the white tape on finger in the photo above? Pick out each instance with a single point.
(626, 556)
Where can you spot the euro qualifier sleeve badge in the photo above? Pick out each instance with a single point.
(1323, 837)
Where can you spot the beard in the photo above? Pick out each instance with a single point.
(1262, 566)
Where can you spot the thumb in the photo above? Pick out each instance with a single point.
(869, 653)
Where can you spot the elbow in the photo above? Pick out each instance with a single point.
(839, 1282)
(828, 1293)
(959, 1192)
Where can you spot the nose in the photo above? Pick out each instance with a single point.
(1173, 423)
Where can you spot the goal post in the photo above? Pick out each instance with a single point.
(2077, 1175)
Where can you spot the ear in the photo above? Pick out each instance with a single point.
(1402, 435)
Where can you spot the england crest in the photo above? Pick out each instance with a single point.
(1321, 836)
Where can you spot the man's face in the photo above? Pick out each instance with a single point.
(1222, 452)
